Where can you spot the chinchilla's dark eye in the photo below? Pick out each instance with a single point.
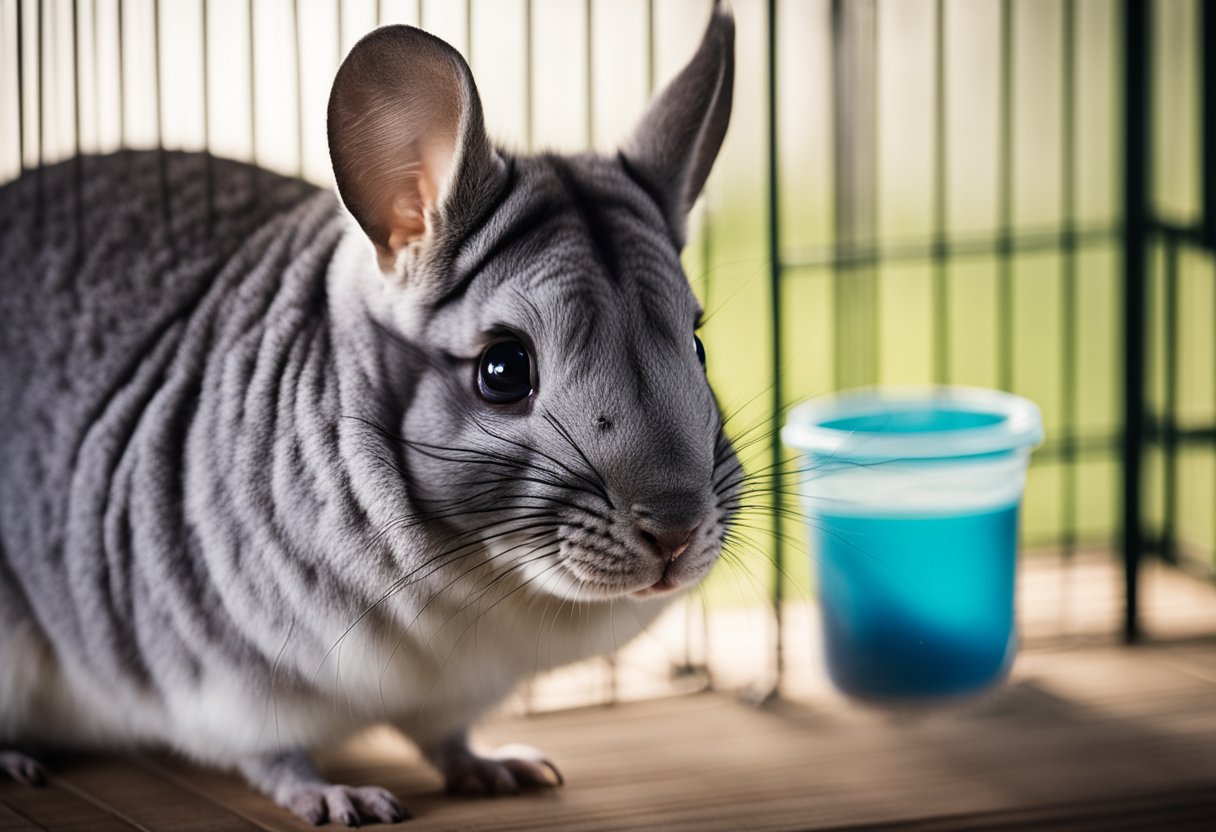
(504, 374)
(700, 350)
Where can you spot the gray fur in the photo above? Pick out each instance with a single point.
(678, 139)
(232, 448)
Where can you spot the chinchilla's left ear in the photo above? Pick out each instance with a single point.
(675, 145)
(409, 147)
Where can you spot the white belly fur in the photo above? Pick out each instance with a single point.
(431, 686)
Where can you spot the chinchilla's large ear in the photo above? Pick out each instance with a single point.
(408, 142)
(675, 145)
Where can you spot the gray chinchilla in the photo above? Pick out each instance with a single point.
(263, 484)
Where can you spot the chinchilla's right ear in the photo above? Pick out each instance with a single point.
(675, 145)
(408, 142)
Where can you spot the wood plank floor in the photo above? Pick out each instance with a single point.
(1093, 738)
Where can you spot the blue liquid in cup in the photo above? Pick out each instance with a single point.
(917, 607)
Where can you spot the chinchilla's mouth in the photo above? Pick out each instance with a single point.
(595, 582)
(662, 586)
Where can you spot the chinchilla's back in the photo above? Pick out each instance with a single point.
(112, 302)
(95, 265)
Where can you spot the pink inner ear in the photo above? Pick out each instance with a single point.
(410, 191)
(397, 112)
(407, 225)
(417, 189)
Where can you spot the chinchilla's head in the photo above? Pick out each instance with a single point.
(558, 415)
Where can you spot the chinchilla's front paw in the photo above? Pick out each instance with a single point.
(319, 803)
(21, 768)
(290, 780)
(507, 770)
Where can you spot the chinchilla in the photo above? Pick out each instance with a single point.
(264, 484)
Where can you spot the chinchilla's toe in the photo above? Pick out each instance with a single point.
(23, 769)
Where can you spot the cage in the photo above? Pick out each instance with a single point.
(1010, 195)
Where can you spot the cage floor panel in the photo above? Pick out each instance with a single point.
(1094, 738)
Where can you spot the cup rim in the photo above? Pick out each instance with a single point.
(1019, 426)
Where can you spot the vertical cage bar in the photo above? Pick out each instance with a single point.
(253, 80)
(156, 85)
(205, 50)
(941, 296)
(39, 181)
(707, 250)
(299, 66)
(775, 272)
(76, 81)
(161, 157)
(209, 178)
(77, 162)
(122, 77)
(1207, 49)
(1005, 204)
(97, 146)
(39, 31)
(49, 50)
(528, 74)
(1136, 144)
(21, 85)
(589, 41)
(1207, 52)
(651, 55)
(854, 103)
(54, 59)
(1169, 418)
(1068, 285)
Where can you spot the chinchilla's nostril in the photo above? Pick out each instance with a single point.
(668, 542)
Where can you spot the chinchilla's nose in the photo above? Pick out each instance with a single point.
(667, 526)
(669, 543)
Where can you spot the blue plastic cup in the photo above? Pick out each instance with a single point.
(912, 498)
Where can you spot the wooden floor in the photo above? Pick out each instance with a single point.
(1090, 738)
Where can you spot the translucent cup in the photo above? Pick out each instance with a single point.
(912, 498)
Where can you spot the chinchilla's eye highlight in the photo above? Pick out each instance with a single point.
(504, 373)
(700, 349)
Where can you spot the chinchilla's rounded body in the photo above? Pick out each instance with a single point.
(276, 467)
